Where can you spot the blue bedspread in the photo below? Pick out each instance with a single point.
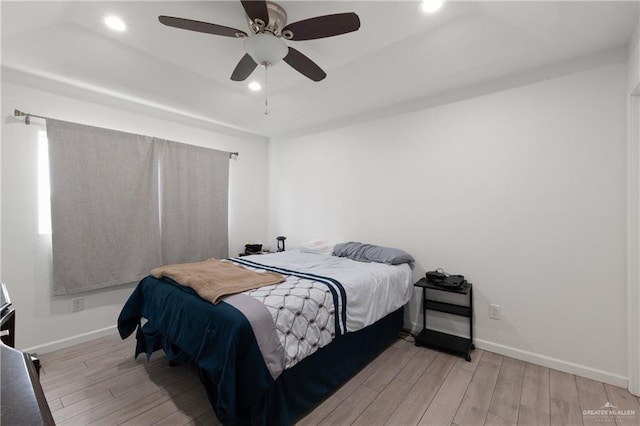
(218, 338)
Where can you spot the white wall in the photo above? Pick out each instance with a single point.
(44, 320)
(523, 191)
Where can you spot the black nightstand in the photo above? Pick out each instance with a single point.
(444, 341)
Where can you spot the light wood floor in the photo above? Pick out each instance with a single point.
(99, 383)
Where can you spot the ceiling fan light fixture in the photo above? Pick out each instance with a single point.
(265, 49)
(431, 6)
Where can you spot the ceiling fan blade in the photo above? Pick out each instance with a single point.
(244, 68)
(324, 26)
(256, 9)
(305, 66)
(202, 27)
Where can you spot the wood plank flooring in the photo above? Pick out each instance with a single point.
(99, 383)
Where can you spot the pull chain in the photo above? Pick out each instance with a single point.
(266, 89)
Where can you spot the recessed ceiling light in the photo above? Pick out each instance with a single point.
(255, 86)
(431, 6)
(115, 23)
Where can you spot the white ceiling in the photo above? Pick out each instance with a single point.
(399, 55)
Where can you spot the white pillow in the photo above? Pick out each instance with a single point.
(317, 246)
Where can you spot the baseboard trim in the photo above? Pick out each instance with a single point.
(556, 364)
(70, 341)
(545, 361)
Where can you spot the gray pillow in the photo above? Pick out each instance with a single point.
(370, 253)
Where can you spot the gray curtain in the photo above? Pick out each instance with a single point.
(123, 204)
(194, 185)
(104, 214)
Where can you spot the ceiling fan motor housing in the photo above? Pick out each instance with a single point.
(277, 21)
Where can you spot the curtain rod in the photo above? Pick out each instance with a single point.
(27, 120)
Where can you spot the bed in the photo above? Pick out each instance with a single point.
(269, 355)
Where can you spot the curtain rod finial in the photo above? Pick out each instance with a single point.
(27, 117)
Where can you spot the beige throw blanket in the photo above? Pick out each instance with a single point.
(213, 279)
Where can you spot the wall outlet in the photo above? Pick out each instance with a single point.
(494, 312)
(77, 304)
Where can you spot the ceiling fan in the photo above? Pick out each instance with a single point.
(264, 45)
